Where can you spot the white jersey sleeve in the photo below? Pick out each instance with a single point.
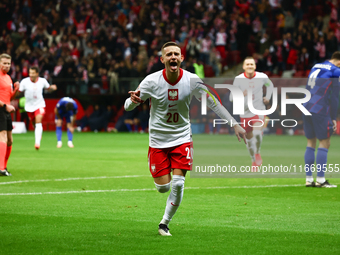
(200, 90)
(22, 86)
(145, 88)
(270, 86)
(45, 82)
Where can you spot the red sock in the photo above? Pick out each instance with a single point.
(8, 153)
(3, 148)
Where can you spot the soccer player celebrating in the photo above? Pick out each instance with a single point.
(170, 91)
(323, 84)
(66, 108)
(255, 81)
(35, 104)
(6, 94)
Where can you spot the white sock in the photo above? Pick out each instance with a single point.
(258, 140)
(38, 133)
(251, 148)
(309, 179)
(174, 199)
(320, 179)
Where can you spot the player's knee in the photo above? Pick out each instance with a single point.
(163, 188)
(58, 122)
(178, 181)
(257, 132)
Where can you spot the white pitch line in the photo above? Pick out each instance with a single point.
(149, 189)
(75, 179)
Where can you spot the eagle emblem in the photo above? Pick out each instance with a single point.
(173, 94)
(153, 168)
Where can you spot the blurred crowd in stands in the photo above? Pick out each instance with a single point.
(97, 46)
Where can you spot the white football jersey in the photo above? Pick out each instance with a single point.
(256, 84)
(33, 93)
(169, 123)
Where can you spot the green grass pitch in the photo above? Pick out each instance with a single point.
(99, 198)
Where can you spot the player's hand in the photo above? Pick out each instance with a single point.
(53, 87)
(245, 92)
(334, 125)
(240, 133)
(265, 101)
(10, 108)
(135, 97)
(16, 85)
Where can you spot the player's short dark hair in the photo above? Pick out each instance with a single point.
(35, 68)
(167, 44)
(249, 57)
(69, 106)
(336, 55)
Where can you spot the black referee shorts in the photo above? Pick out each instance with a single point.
(5, 120)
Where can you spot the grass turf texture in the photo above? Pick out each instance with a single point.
(228, 220)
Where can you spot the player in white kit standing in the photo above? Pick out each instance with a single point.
(255, 81)
(35, 104)
(170, 146)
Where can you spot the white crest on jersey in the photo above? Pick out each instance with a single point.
(173, 94)
(153, 168)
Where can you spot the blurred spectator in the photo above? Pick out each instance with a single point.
(278, 52)
(70, 79)
(331, 44)
(104, 80)
(318, 23)
(81, 25)
(221, 42)
(142, 119)
(205, 48)
(98, 35)
(82, 79)
(123, 72)
(292, 59)
(92, 71)
(199, 68)
(189, 66)
(320, 48)
(193, 48)
(215, 62)
(130, 120)
(303, 59)
(113, 79)
(264, 43)
(242, 36)
(289, 22)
